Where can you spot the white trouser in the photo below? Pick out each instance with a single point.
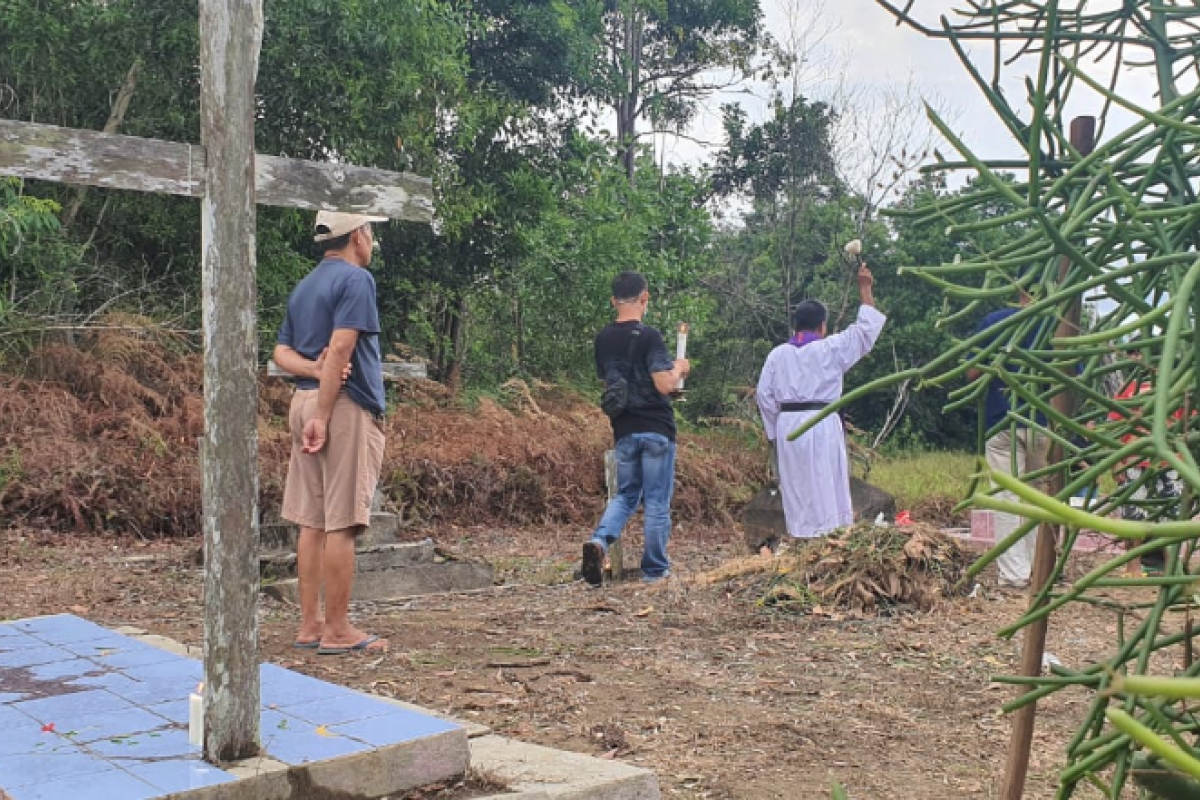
(1015, 455)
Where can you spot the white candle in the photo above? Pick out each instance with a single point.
(681, 344)
(196, 717)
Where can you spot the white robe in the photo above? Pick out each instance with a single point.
(814, 471)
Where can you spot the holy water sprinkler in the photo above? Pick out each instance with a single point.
(853, 253)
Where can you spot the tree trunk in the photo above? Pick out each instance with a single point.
(1033, 643)
(115, 118)
(518, 346)
(441, 346)
(627, 104)
(457, 355)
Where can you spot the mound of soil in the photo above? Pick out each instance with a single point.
(103, 436)
(538, 459)
(939, 511)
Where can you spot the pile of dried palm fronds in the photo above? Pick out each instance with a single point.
(861, 568)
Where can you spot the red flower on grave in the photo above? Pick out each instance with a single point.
(48, 727)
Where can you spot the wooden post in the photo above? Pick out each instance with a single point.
(1033, 647)
(615, 556)
(230, 37)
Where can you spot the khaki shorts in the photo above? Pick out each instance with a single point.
(333, 489)
(1029, 454)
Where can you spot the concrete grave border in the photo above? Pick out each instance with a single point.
(531, 772)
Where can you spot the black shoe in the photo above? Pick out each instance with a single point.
(593, 563)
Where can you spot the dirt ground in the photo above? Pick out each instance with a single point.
(721, 698)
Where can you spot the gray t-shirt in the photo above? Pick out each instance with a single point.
(338, 295)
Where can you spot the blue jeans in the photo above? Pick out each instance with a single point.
(645, 474)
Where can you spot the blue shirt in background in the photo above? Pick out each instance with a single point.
(997, 393)
(338, 295)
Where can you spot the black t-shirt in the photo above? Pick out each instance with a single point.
(648, 411)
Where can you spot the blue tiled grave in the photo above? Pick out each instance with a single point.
(86, 712)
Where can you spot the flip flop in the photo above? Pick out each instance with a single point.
(364, 645)
(309, 645)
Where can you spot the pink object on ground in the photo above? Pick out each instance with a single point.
(983, 534)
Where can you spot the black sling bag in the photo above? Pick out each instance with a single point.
(614, 400)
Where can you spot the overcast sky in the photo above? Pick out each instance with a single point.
(857, 43)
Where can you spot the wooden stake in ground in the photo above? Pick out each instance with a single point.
(1033, 646)
(230, 178)
(616, 553)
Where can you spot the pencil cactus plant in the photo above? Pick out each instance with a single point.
(1116, 226)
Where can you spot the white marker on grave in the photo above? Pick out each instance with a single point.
(196, 716)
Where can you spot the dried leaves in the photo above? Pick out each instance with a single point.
(104, 437)
(863, 568)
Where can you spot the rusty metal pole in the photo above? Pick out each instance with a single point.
(1033, 648)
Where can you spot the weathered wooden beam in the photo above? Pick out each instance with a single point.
(392, 371)
(115, 161)
(230, 38)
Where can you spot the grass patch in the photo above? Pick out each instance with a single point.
(544, 572)
(920, 477)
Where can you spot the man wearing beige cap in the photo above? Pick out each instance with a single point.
(331, 328)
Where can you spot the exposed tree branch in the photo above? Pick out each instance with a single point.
(115, 118)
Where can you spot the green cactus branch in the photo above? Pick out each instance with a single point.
(1119, 230)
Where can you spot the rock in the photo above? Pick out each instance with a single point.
(870, 501)
(764, 524)
(401, 582)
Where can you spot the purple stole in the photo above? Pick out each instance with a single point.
(804, 337)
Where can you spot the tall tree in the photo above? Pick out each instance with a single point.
(497, 139)
(784, 165)
(785, 249)
(661, 57)
(544, 311)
